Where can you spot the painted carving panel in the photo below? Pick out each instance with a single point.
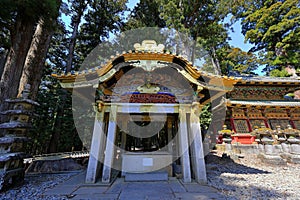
(259, 92)
(283, 123)
(256, 123)
(241, 126)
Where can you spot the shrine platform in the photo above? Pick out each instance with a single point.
(239, 148)
(119, 189)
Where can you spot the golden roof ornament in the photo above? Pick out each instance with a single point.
(149, 45)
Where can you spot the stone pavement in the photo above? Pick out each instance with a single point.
(173, 189)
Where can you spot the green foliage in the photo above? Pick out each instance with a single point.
(55, 113)
(145, 14)
(279, 73)
(49, 97)
(205, 116)
(238, 60)
(273, 27)
(200, 19)
(101, 18)
(31, 10)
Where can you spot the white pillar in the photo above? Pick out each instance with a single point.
(184, 146)
(197, 157)
(110, 144)
(96, 151)
(170, 142)
(123, 138)
(124, 131)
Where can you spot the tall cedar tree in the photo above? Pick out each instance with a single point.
(23, 17)
(92, 21)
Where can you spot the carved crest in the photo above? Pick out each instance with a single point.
(148, 88)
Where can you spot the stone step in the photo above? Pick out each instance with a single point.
(150, 176)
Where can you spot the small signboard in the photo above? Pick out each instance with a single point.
(147, 161)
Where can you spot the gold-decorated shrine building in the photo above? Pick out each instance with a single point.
(263, 101)
(147, 103)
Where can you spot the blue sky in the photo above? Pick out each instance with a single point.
(237, 38)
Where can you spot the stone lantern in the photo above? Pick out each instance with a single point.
(293, 139)
(13, 139)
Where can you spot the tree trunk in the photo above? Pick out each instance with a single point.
(73, 38)
(57, 126)
(35, 60)
(53, 145)
(215, 61)
(71, 47)
(21, 39)
(2, 61)
(54, 141)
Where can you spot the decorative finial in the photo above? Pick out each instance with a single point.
(149, 45)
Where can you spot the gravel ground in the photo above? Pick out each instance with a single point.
(244, 178)
(34, 186)
(249, 178)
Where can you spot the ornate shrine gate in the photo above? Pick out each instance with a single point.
(147, 107)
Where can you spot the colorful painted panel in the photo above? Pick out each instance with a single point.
(259, 92)
(148, 98)
(279, 122)
(254, 113)
(241, 125)
(295, 113)
(256, 122)
(276, 113)
(238, 113)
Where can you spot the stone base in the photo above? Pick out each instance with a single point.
(278, 149)
(53, 166)
(291, 158)
(261, 148)
(152, 176)
(271, 159)
(11, 177)
(295, 149)
(228, 147)
(286, 147)
(269, 149)
(245, 148)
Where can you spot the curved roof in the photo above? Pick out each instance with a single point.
(245, 103)
(269, 80)
(188, 70)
